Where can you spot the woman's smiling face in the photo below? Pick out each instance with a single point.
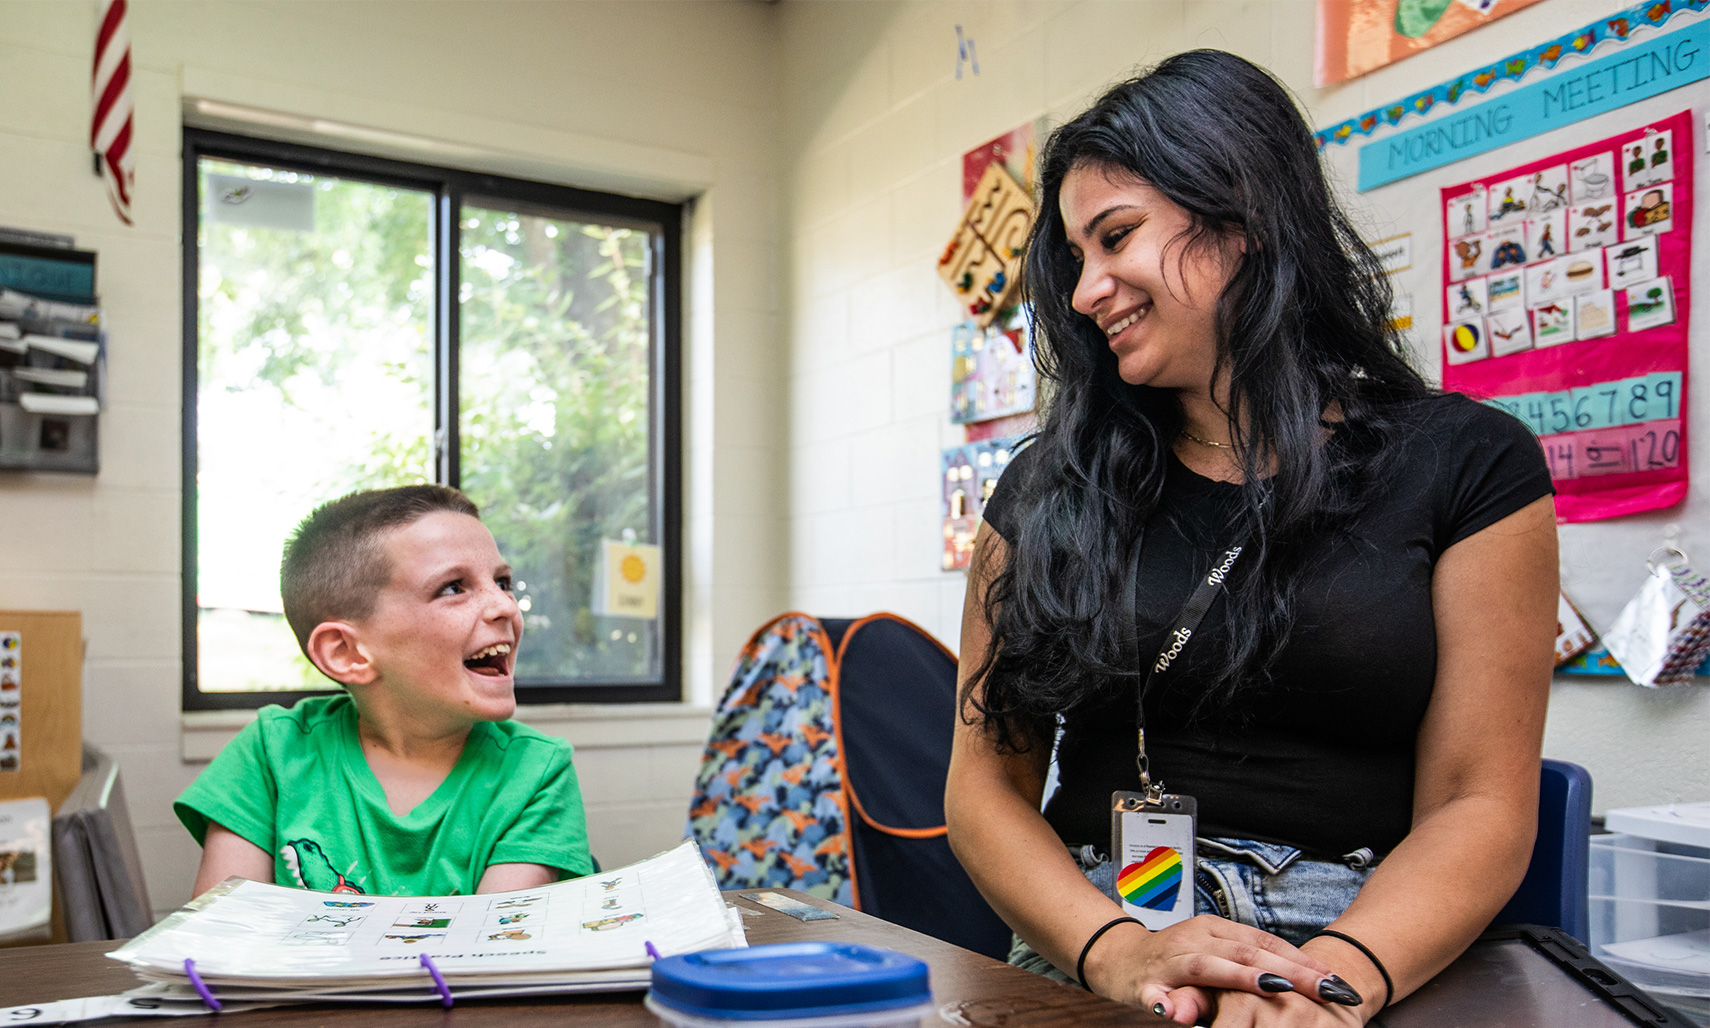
(1151, 292)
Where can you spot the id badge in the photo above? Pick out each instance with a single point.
(1151, 844)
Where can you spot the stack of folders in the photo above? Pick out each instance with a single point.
(56, 345)
(248, 944)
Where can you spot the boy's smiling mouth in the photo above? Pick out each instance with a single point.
(493, 661)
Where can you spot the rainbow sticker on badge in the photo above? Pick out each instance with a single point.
(1153, 882)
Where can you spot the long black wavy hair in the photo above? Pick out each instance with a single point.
(1303, 332)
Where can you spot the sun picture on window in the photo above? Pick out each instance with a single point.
(633, 569)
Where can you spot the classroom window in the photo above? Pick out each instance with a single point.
(356, 323)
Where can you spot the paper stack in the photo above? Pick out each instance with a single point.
(254, 943)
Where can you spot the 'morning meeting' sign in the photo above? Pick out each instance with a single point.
(1667, 62)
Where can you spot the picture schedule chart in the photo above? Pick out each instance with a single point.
(1566, 300)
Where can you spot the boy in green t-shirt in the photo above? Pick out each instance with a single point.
(413, 781)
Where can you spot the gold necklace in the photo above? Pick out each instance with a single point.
(1205, 442)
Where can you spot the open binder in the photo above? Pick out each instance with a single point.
(247, 943)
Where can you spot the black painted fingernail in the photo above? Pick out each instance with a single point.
(1158, 1008)
(1275, 983)
(1336, 990)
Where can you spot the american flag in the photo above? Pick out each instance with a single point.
(110, 122)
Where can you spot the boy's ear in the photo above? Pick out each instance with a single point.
(335, 647)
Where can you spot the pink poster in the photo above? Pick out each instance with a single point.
(1566, 299)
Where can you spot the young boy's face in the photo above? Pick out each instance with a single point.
(444, 631)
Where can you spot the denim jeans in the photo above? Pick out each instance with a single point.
(1256, 883)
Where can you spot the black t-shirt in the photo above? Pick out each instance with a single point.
(1323, 757)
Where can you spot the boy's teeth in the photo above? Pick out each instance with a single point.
(492, 651)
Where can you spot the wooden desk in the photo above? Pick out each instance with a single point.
(979, 992)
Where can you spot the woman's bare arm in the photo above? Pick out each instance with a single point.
(1475, 804)
(1475, 794)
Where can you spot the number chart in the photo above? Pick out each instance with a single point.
(1566, 289)
(1611, 428)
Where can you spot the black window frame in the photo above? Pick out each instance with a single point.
(449, 187)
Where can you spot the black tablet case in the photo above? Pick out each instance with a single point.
(1529, 977)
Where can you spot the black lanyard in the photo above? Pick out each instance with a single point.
(1175, 640)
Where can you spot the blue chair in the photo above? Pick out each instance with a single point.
(1553, 893)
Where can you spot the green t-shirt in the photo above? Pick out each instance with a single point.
(295, 783)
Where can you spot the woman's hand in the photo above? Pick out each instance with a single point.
(1150, 969)
(1242, 1010)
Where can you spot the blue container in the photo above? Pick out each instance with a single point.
(817, 983)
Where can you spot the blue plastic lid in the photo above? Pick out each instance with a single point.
(790, 980)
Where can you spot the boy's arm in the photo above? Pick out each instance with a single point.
(226, 853)
(511, 877)
(230, 808)
(550, 835)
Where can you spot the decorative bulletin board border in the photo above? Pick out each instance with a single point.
(1605, 33)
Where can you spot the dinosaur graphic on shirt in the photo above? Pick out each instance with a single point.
(312, 868)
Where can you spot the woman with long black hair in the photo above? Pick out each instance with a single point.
(1359, 713)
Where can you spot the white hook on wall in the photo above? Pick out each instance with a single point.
(1665, 557)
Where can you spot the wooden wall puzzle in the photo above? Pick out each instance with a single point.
(982, 263)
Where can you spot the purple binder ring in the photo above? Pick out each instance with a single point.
(438, 981)
(201, 987)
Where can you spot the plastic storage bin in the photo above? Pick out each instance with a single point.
(1650, 902)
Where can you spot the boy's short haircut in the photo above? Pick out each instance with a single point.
(334, 565)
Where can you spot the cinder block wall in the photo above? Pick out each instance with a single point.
(822, 141)
(643, 97)
(875, 120)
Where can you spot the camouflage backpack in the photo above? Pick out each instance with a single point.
(825, 773)
(769, 808)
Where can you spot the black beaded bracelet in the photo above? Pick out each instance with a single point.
(1081, 964)
(1388, 983)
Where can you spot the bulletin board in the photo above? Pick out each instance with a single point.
(1603, 552)
(42, 695)
(1566, 300)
